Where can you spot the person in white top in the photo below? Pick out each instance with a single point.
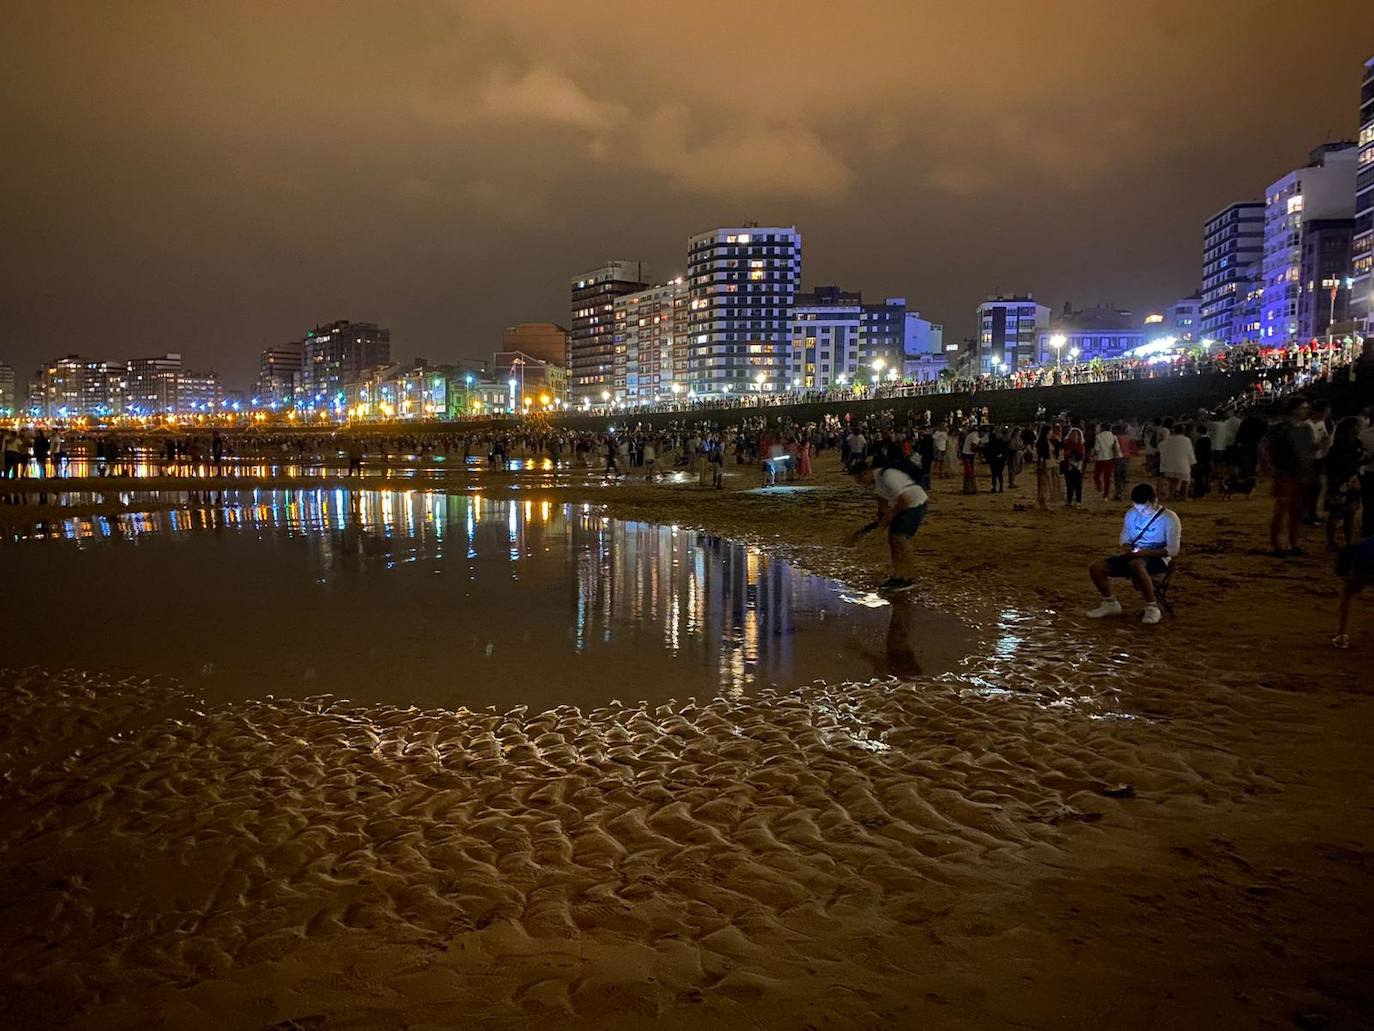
(1176, 461)
(901, 509)
(940, 439)
(1106, 450)
(1150, 539)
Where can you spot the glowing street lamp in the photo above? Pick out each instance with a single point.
(1073, 354)
(1057, 342)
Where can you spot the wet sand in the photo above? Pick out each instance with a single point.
(1085, 826)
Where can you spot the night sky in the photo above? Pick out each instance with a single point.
(215, 177)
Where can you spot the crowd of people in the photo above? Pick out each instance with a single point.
(1322, 467)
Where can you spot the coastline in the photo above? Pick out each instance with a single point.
(958, 851)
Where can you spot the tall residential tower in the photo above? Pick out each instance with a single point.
(1233, 240)
(742, 282)
(1362, 247)
(591, 340)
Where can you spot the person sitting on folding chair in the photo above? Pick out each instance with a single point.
(1150, 539)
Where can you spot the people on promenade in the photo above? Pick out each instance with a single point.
(1150, 539)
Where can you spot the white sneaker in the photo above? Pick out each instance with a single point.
(1151, 614)
(1108, 607)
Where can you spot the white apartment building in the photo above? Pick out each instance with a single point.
(1007, 332)
(650, 344)
(1322, 189)
(825, 344)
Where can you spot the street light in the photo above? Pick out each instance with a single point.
(1073, 354)
(1057, 342)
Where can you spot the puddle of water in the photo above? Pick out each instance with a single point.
(413, 597)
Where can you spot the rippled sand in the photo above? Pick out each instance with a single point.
(1086, 826)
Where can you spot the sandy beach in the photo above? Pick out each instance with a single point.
(1084, 826)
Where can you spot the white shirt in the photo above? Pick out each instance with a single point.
(857, 444)
(1176, 455)
(941, 439)
(1106, 446)
(892, 484)
(1166, 531)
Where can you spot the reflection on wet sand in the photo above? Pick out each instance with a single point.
(412, 596)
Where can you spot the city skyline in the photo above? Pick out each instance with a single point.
(176, 195)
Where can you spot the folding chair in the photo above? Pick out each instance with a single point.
(1162, 583)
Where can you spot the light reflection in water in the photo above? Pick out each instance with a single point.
(535, 592)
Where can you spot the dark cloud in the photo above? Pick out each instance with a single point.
(213, 177)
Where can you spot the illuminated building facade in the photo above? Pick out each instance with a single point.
(1183, 319)
(152, 385)
(1232, 241)
(279, 375)
(824, 331)
(1324, 301)
(335, 356)
(650, 357)
(1098, 332)
(1362, 242)
(75, 387)
(1008, 330)
(591, 339)
(743, 283)
(7, 399)
(1322, 189)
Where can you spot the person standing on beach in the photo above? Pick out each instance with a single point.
(1291, 447)
(1106, 451)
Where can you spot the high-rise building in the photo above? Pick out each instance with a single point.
(743, 282)
(8, 401)
(1362, 245)
(882, 336)
(335, 356)
(547, 341)
(1232, 240)
(279, 375)
(198, 393)
(1322, 189)
(1007, 332)
(591, 340)
(72, 387)
(152, 385)
(1324, 300)
(825, 338)
(649, 361)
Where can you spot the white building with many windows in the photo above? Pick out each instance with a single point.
(1322, 189)
(825, 339)
(1007, 332)
(742, 282)
(650, 344)
(1232, 241)
(1362, 246)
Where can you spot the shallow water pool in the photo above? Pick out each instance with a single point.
(425, 598)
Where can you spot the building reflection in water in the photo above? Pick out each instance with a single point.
(733, 614)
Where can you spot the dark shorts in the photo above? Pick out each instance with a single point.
(906, 522)
(1120, 566)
